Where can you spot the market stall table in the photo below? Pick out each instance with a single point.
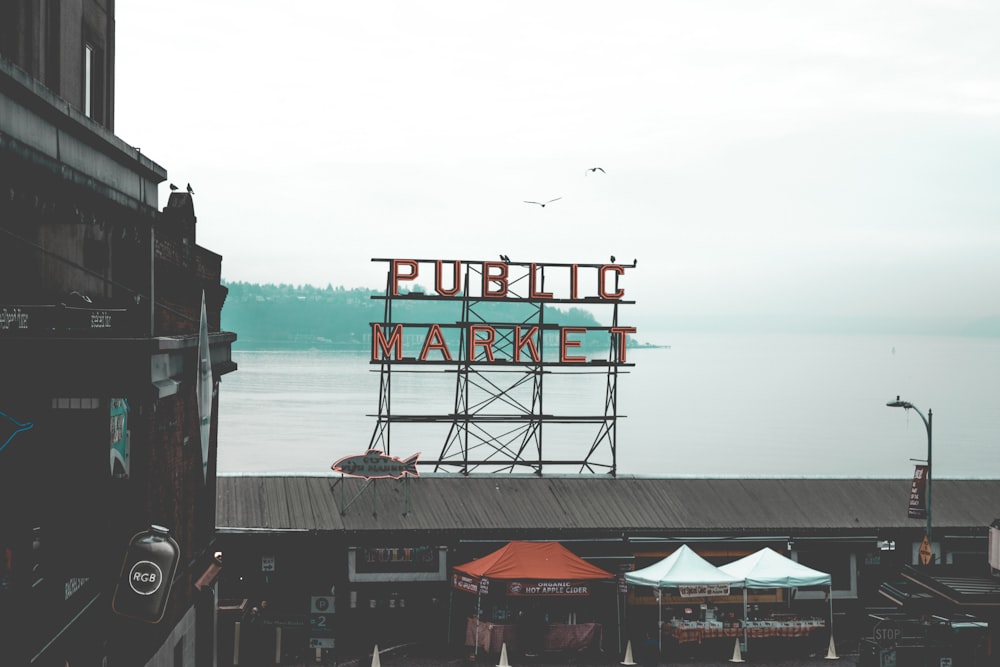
(558, 636)
(698, 631)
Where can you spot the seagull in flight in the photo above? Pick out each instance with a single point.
(595, 169)
(542, 204)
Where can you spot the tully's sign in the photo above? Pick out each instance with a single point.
(484, 281)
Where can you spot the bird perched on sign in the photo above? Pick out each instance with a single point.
(542, 204)
(173, 187)
(505, 258)
(190, 189)
(595, 169)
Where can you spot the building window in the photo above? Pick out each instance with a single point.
(88, 80)
(93, 82)
(840, 564)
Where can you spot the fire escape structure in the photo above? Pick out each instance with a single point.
(499, 412)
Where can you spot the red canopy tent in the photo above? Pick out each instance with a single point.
(532, 560)
(538, 568)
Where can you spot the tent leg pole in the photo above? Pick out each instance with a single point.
(451, 607)
(659, 623)
(830, 593)
(479, 598)
(619, 600)
(746, 634)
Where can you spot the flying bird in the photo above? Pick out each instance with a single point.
(190, 189)
(541, 203)
(593, 169)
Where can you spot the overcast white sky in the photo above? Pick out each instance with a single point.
(790, 157)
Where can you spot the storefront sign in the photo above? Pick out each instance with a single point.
(544, 588)
(398, 559)
(493, 342)
(374, 464)
(17, 320)
(464, 583)
(918, 493)
(119, 438)
(700, 590)
(395, 564)
(146, 576)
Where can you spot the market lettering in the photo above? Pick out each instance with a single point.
(482, 340)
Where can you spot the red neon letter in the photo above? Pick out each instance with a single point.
(527, 339)
(622, 333)
(380, 343)
(565, 343)
(535, 294)
(600, 281)
(487, 342)
(397, 264)
(500, 279)
(573, 281)
(435, 341)
(456, 281)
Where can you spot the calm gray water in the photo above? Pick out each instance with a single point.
(710, 405)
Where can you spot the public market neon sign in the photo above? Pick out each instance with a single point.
(500, 281)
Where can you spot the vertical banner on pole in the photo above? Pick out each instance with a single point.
(918, 493)
(204, 387)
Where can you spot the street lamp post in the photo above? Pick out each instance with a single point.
(928, 421)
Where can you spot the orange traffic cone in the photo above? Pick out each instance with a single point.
(737, 656)
(628, 655)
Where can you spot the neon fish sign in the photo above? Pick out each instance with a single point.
(375, 464)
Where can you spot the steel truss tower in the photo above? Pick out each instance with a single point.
(498, 415)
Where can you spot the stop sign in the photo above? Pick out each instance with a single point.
(886, 633)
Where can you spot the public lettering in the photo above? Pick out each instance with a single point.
(498, 278)
(487, 342)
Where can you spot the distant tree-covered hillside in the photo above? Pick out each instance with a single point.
(282, 316)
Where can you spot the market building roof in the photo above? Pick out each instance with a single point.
(553, 507)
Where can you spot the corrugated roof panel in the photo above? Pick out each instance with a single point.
(507, 503)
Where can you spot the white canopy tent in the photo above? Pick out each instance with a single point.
(682, 568)
(769, 569)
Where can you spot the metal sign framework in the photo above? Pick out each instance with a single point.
(498, 419)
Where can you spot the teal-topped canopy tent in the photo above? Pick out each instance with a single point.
(769, 569)
(683, 567)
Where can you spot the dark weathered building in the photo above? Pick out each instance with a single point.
(293, 539)
(100, 312)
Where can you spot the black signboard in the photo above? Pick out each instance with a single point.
(146, 576)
